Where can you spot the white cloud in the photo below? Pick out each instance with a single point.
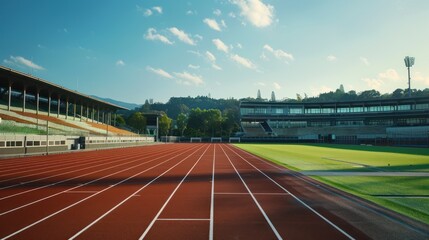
(147, 12)
(262, 84)
(120, 63)
(188, 78)
(239, 45)
(158, 9)
(193, 66)
(220, 45)
(364, 60)
(243, 61)
(331, 58)
(23, 62)
(198, 36)
(160, 72)
(154, 36)
(195, 53)
(374, 83)
(384, 79)
(190, 12)
(419, 77)
(278, 53)
(264, 57)
(256, 12)
(223, 23)
(277, 86)
(215, 66)
(315, 91)
(390, 74)
(182, 36)
(210, 57)
(232, 15)
(212, 24)
(217, 12)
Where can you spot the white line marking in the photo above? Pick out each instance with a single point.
(171, 196)
(296, 198)
(232, 193)
(133, 194)
(81, 191)
(254, 199)
(76, 203)
(80, 185)
(212, 196)
(183, 219)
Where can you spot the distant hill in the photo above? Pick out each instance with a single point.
(130, 106)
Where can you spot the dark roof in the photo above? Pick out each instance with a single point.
(33, 84)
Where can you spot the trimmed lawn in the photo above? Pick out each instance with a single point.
(406, 195)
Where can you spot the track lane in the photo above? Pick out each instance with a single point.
(286, 217)
(136, 213)
(72, 184)
(187, 214)
(236, 214)
(66, 204)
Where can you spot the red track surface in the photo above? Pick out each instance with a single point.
(177, 191)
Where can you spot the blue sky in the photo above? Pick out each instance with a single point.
(139, 49)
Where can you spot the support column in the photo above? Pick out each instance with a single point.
(81, 112)
(67, 108)
(23, 102)
(49, 105)
(98, 114)
(103, 117)
(74, 110)
(87, 112)
(37, 101)
(92, 113)
(114, 119)
(59, 107)
(9, 102)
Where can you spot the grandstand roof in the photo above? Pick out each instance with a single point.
(33, 85)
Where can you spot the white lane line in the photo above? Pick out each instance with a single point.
(65, 180)
(296, 198)
(170, 197)
(81, 191)
(183, 219)
(80, 185)
(254, 199)
(93, 195)
(132, 195)
(232, 193)
(212, 196)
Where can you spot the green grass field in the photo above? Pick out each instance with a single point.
(408, 195)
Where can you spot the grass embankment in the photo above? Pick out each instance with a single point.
(406, 195)
(4, 128)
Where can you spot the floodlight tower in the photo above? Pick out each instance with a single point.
(409, 62)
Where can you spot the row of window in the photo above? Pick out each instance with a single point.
(30, 143)
(372, 122)
(112, 141)
(302, 110)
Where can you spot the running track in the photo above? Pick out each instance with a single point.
(179, 191)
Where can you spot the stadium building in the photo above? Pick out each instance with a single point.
(72, 119)
(383, 121)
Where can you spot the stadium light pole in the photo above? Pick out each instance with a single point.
(409, 62)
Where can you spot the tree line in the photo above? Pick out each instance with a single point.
(203, 116)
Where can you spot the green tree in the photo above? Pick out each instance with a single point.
(120, 121)
(137, 121)
(164, 124)
(182, 122)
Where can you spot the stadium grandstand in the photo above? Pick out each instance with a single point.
(30, 105)
(402, 121)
